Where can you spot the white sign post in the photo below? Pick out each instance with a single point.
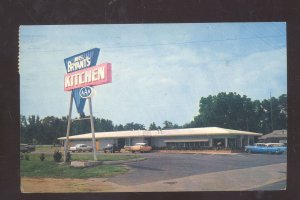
(88, 93)
(66, 145)
(93, 128)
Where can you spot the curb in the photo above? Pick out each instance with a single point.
(207, 153)
(122, 161)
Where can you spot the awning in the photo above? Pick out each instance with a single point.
(188, 140)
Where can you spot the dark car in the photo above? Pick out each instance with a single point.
(112, 148)
(26, 148)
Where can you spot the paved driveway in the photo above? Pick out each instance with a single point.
(164, 166)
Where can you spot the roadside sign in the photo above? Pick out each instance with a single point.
(96, 75)
(82, 73)
(82, 60)
(78, 62)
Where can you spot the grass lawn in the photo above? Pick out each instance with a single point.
(104, 157)
(50, 169)
(46, 148)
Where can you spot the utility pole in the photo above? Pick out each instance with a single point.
(271, 111)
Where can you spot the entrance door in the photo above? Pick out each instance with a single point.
(121, 142)
(97, 145)
(219, 142)
(148, 140)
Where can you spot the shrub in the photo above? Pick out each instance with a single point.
(57, 156)
(21, 156)
(42, 157)
(27, 157)
(68, 157)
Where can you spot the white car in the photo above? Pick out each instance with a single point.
(81, 148)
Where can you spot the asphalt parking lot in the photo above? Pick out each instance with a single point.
(169, 166)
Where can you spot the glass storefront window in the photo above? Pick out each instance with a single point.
(187, 145)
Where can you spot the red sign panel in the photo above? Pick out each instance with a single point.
(96, 75)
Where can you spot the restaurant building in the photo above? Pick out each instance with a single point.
(190, 138)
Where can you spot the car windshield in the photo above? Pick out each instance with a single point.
(260, 145)
(275, 144)
(140, 144)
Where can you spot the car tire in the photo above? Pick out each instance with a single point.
(249, 151)
(278, 152)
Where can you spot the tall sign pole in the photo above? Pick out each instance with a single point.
(92, 127)
(66, 146)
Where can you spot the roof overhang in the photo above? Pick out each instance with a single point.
(209, 131)
(188, 140)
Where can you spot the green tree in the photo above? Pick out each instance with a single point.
(152, 126)
(119, 127)
(134, 126)
(167, 125)
(231, 110)
(225, 110)
(34, 130)
(103, 125)
(53, 128)
(282, 108)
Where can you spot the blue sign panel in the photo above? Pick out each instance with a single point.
(77, 62)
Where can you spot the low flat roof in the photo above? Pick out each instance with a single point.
(275, 134)
(207, 131)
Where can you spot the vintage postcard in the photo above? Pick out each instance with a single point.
(153, 107)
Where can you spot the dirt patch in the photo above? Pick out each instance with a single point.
(52, 185)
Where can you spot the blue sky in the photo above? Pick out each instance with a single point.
(159, 71)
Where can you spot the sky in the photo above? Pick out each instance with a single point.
(159, 71)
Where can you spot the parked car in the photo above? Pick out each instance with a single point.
(26, 148)
(81, 148)
(278, 145)
(269, 148)
(112, 148)
(140, 147)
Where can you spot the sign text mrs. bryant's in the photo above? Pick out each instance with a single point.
(97, 75)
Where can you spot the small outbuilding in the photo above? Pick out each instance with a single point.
(275, 137)
(190, 138)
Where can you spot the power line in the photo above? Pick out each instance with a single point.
(263, 39)
(175, 43)
(191, 42)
